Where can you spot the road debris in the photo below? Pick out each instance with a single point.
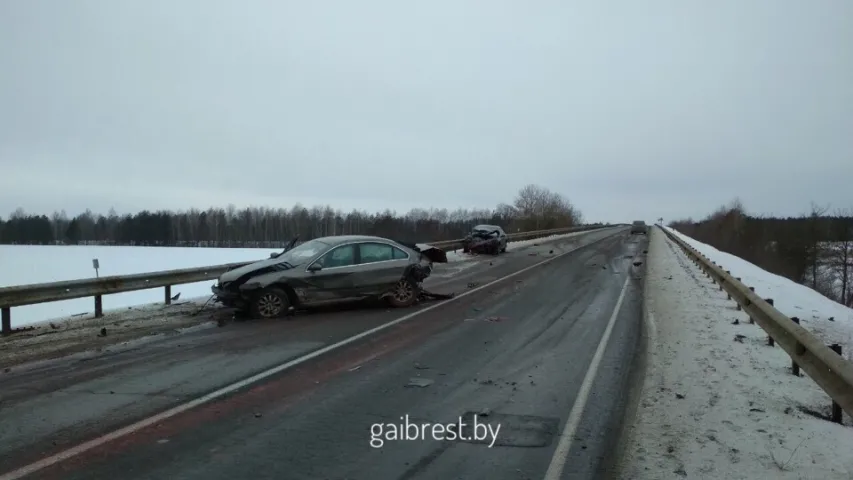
(419, 382)
(427, 295)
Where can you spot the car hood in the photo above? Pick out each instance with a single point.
(256, 267)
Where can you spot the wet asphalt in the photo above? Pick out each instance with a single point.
(515, 354)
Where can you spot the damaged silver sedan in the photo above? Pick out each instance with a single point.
(327, 270)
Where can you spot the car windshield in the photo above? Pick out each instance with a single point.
(303, 252)
(485, 228)
(639, 222)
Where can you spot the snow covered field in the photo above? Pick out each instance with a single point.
(23, 264)
(714, 407)
(828, 320)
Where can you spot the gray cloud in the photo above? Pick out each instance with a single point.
(641, 109)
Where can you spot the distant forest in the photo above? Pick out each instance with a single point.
(814, 249)
(534, 208)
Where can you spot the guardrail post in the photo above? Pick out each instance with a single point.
(799, 349)
(836, 408)
(168, 299)
(738, 303)
(770, 340)
(748, 302)
(728, 295)
(99, 307)
(6, 313)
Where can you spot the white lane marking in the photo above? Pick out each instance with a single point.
(147, 422)
(561, 453)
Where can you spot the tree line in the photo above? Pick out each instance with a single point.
(814, 248)
(534, 208)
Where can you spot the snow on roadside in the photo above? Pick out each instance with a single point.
(828, 320)
(713, 407)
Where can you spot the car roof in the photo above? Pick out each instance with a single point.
(486, 226)
(339, 239)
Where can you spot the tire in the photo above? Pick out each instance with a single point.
(404, 294)
(270, 303)
(503, 249)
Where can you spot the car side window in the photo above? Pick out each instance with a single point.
(343, 256)
(375, 252)
(399, 254)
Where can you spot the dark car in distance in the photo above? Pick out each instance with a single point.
(485, 239)
(639, 227)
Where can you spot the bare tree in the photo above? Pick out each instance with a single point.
(813, 240)
(840, 253)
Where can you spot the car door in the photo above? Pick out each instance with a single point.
(335, 278)
(381, 265)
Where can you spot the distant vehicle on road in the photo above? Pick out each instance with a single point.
(639, 227)
(328, 270)
(485, 239)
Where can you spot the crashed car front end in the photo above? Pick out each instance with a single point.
(236, 290)
(480, 241)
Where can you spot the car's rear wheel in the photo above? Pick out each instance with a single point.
(270, 303)
(404, 294)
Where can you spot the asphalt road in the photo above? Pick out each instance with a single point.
(517, 351)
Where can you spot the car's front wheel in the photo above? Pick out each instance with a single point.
(404, 294)
(270, 303)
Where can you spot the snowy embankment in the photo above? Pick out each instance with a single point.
(827, 320)
(717, 401)
(22, 264)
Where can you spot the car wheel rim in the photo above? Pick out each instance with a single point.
(269, 305)
(404, 291)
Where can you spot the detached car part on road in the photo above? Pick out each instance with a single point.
(485, 239)
(328, 270)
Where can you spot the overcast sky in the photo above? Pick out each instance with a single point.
(632, 109)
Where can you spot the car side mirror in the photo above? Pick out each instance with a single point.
(315, 267)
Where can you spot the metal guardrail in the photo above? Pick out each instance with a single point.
(824, 365)
(97, 287)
